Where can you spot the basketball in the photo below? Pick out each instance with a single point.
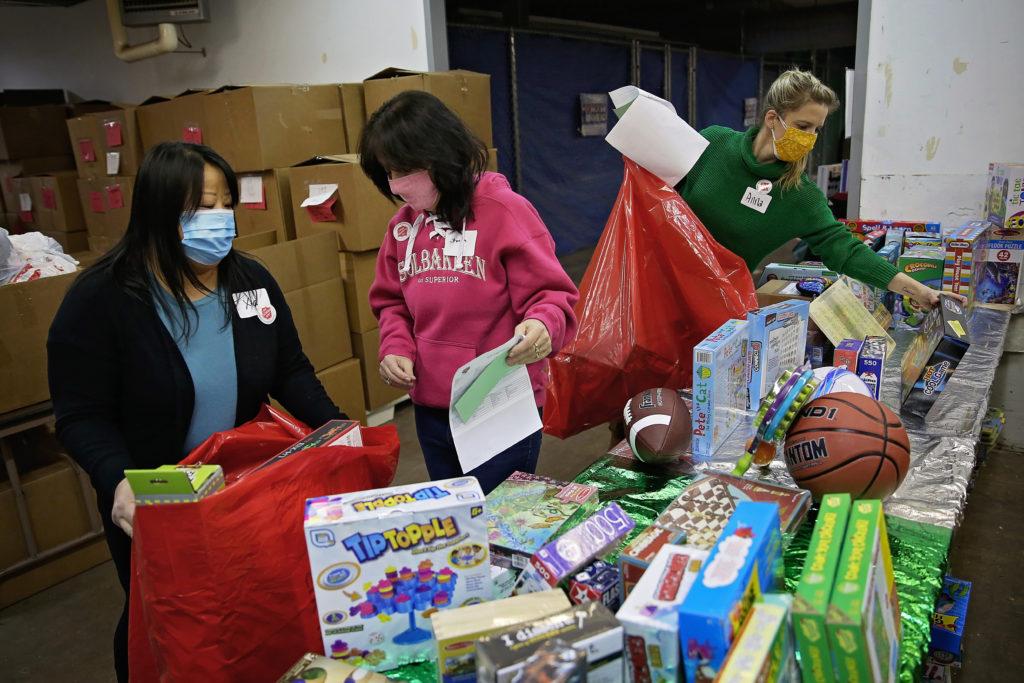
(847, 443)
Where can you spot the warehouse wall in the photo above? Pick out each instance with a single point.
(938, 97)
(247, 41)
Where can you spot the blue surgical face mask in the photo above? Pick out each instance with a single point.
(206, 235)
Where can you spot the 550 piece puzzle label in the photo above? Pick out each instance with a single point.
(383, 561)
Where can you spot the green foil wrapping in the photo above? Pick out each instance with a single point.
(919, 551)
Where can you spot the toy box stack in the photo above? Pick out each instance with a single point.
(1001, 258)
(945, 359)
(502, 655)
(650, 618)
(526, 510)
(381, 559)
(810, 604)
(745, 562)
(863, 613)
(719, 389)
(960, 272)
(778, 335)
(698, 515)
(457, 630)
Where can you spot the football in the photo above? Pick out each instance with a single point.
(657, 425)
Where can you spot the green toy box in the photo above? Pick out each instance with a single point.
(810, 604)
(174, 483)
(863, 612)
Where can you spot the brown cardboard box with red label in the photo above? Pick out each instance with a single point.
(34, 131)
(366, 347)
(176, 118)
(264, 204)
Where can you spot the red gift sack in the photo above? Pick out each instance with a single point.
(657, 285)
(221, 588)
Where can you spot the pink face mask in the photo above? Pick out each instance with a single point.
(416, 189)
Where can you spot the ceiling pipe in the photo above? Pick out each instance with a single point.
(166, 42)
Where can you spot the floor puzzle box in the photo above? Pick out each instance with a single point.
(384, 560)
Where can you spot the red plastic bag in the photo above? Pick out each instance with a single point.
(221, 589)
(657, 285)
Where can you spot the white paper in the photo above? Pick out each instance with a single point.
(25, 201)
(318, 194)
(251, 189)
(652, 134)
(113, 163)
(507, 415)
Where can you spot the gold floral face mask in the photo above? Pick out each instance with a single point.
(794, 143)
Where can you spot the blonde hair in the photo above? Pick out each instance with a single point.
(790, 91)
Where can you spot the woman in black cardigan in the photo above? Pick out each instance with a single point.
(168, 338)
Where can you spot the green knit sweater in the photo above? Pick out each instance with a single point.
(715, 185)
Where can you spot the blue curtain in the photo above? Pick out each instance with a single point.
(722, 84)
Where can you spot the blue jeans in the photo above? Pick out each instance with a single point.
(442, 461)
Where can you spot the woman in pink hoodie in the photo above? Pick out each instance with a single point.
(466, 264)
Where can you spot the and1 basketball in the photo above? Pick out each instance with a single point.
(847, 443)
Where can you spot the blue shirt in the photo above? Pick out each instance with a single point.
(209, 353)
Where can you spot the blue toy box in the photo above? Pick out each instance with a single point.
(745, 562)
(719, 391)
(777, 340)
(948, 620)
(384, 560)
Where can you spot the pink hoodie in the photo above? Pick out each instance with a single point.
(447, 310)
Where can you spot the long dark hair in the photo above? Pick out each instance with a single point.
(415, 131)
(168, 186)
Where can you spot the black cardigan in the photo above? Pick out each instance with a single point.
(123, 395)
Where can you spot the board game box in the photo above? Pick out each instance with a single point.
(777, 337)
(719, 388)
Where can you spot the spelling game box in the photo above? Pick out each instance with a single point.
(384, 560)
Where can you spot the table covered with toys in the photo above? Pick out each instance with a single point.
(660, 568)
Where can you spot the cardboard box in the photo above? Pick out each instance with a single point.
(761, 646)
(924, 240)
(302, 262)
(814, 588)
(181, 117)
(355, 209)
(353, 109)
(719, 387)
(59, 208)
(341, 382)
(41, 577)
(790, 271)
(319, 314)
(863, 612)
(86, 146)
(960, 270)
(34, 131)
(865, 226)
(847, 353)
(255, 241)
(120, 135)
(466, 93)
(745, 562)
(999, 264)
(778, 339)
(272, 208)
(924, 265)
(526, 510)
(13, 547)
(26, 311)
(920, 350)
(69, 241)
(401, 551)
(1005, 195)
(331, 433)
(598, 581)
(358, 270)
(366, 347)
(26, 201)
(261, 127)
(55, 504)
(649, 615)
(591, 627)
(99, 244)
(456, 631)
(12, 169)
(106, 205)
(776, 291)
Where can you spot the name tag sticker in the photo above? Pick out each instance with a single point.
(257, 303)
(758, 201)
(460, 244)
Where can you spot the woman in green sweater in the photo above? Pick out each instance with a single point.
(750, 189)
